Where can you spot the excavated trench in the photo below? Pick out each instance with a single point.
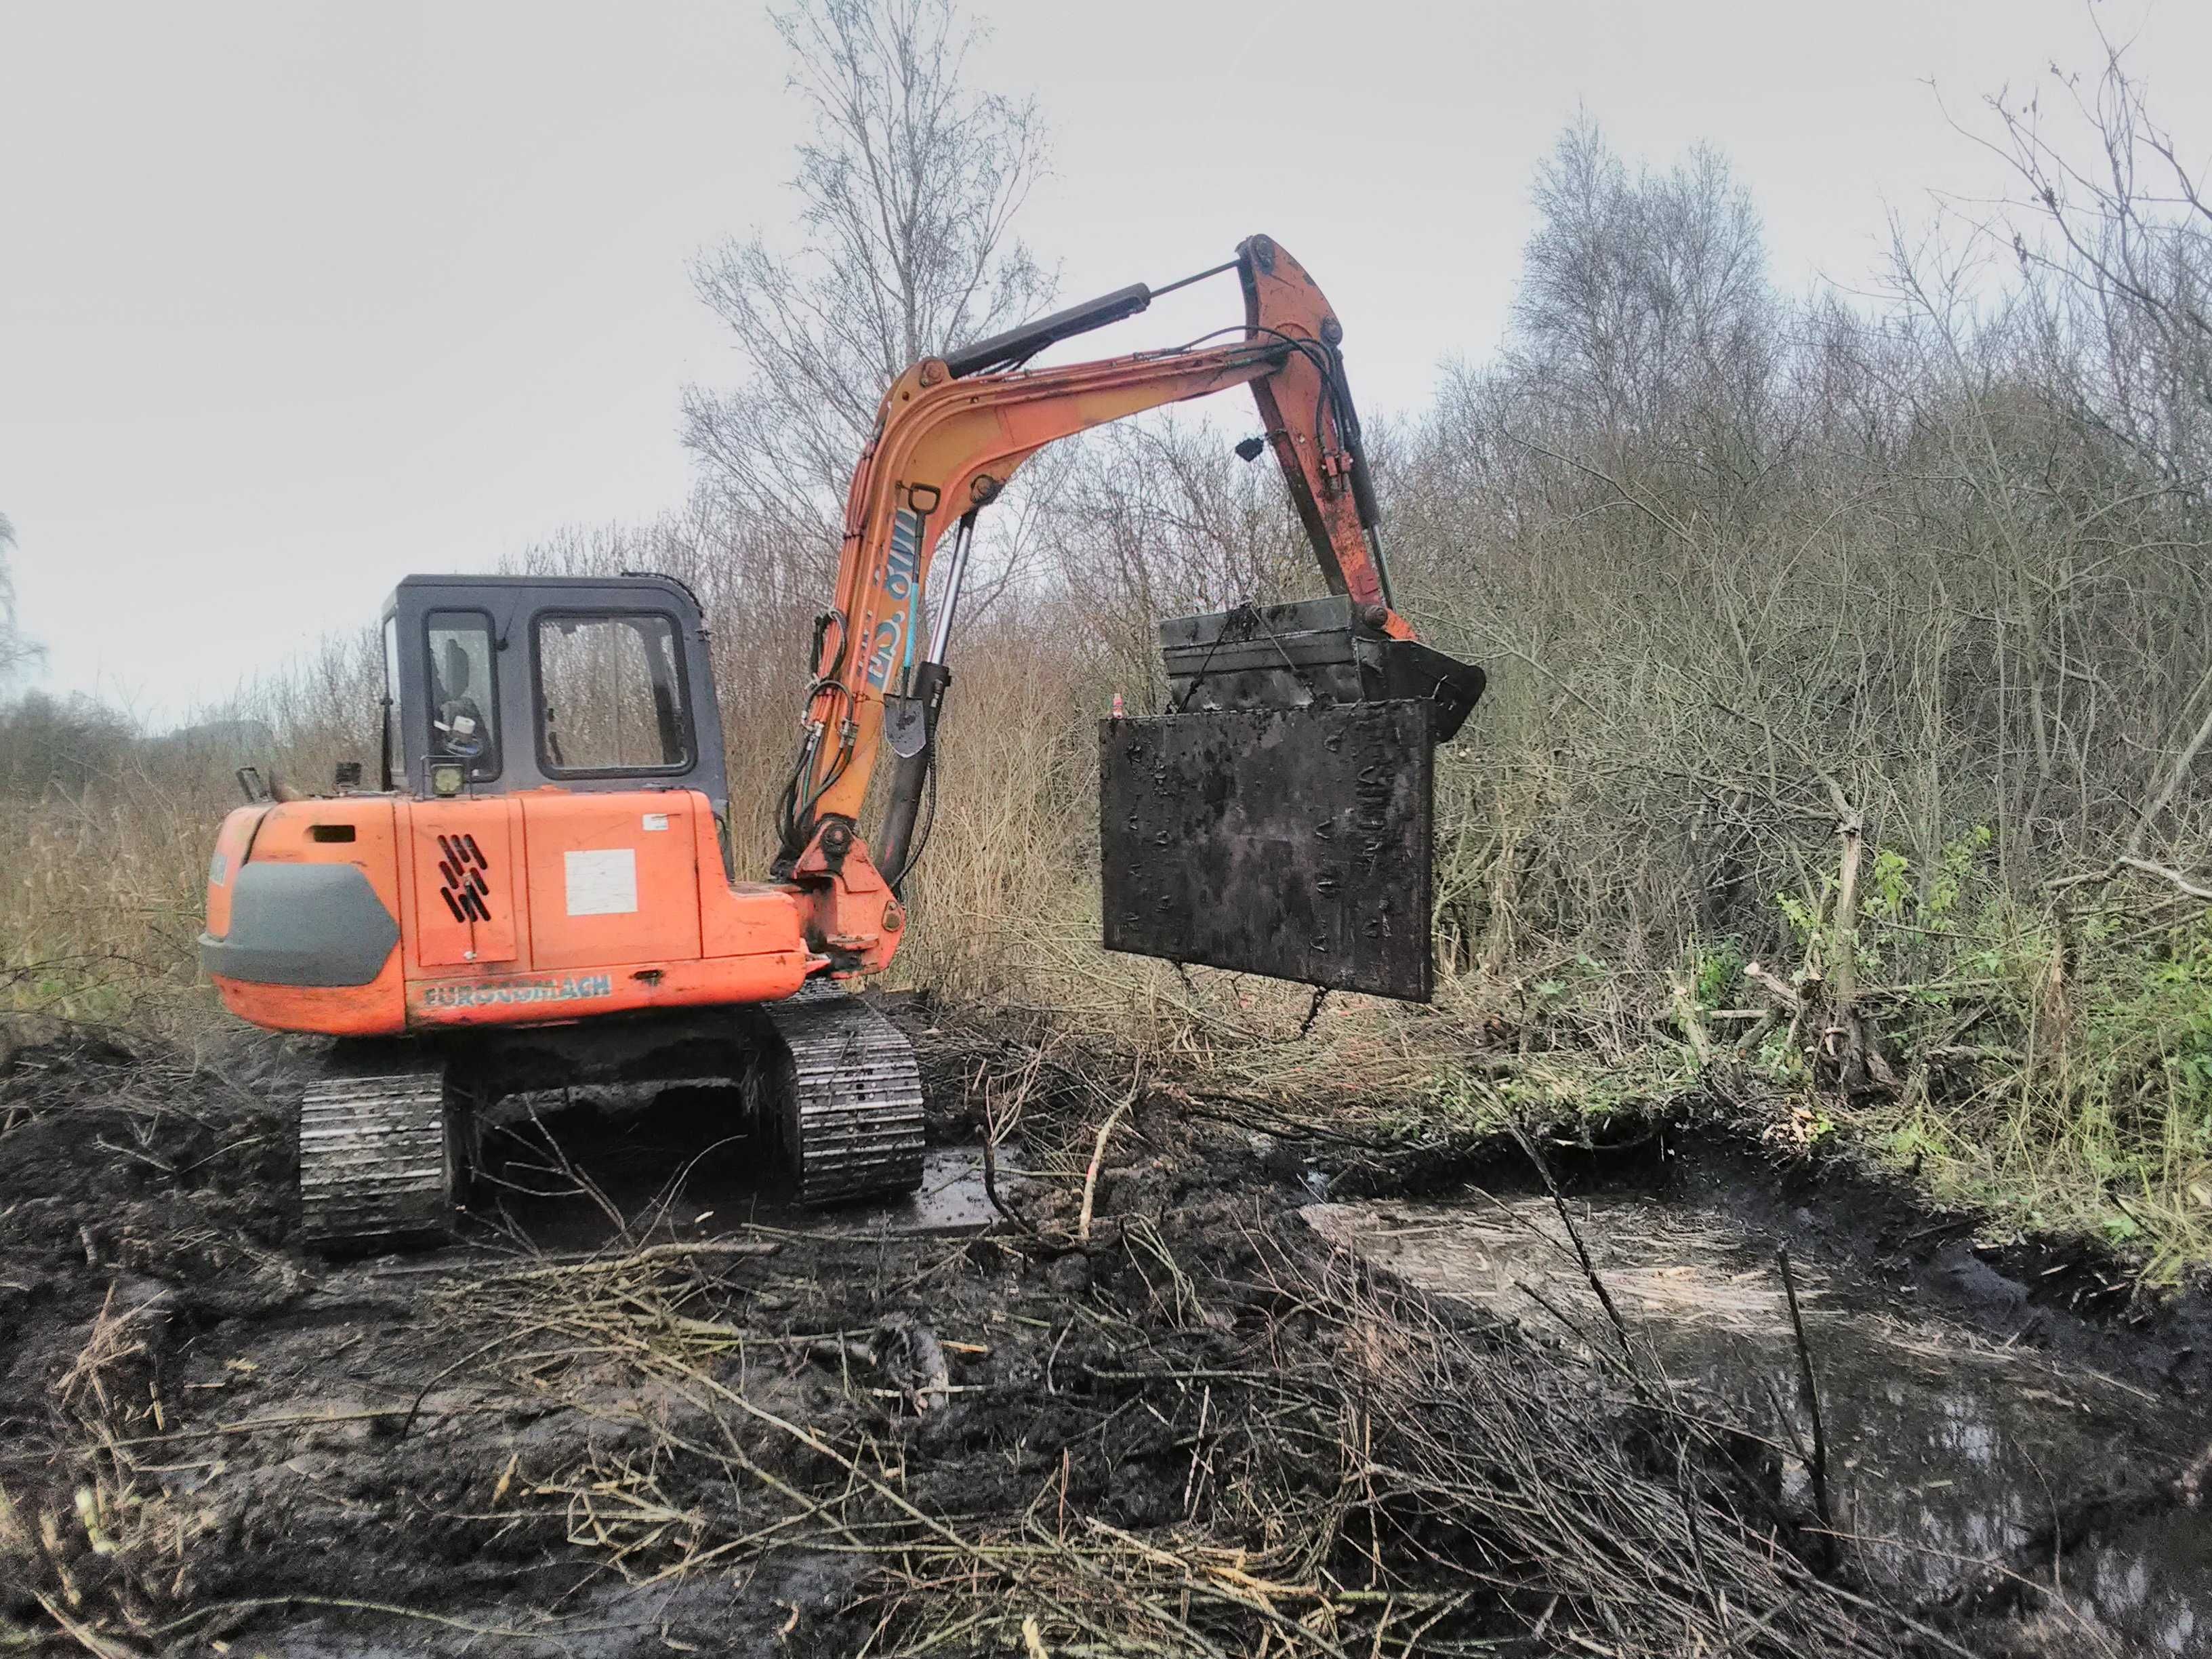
(533, 1442)
(1950, 1435)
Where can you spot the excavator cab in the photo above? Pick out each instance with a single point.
(498, 685)
(538, 896)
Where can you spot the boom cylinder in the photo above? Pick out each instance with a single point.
(910, 774)
(913, 725)
(1019, 345)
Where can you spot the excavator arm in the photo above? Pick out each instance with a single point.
(950, 434)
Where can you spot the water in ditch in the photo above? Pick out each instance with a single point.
(1948, 1447)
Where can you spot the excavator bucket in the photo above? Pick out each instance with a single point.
(1280, 820)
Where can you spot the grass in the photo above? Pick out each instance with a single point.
(2049, 1062)
(100, 905)
(2080, 1099)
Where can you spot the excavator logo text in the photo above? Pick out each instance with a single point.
(904, 558)
(581, 987)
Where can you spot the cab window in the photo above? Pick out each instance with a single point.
(611, 695)
(463, 693)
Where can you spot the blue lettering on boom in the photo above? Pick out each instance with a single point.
(899, 573)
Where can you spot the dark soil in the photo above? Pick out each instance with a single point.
(208, 1436)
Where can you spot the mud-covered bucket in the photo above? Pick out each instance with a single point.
(1280, 818)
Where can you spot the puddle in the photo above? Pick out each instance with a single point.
(1945, 1448)
(951, 1201)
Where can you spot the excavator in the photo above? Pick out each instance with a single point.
(537, 891)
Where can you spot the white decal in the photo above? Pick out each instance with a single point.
(602, 883)
(656, 820)
(218, 871)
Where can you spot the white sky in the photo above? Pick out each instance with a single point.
(297, 298)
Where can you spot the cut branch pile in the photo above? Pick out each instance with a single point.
(1233, 1444)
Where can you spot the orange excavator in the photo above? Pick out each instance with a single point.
(537, 891)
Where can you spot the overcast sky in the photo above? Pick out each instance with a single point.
(297, 298)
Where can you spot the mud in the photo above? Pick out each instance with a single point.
(550, 1438)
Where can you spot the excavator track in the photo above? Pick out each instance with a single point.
(851, 1101)
(376, 1159)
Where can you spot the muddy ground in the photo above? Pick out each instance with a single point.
(1284, 1397)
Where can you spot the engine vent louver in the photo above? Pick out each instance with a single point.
(464, 866)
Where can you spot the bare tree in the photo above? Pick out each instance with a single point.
(1153, 518)
(2114, 237)
(16, 653)
(907, 190)
(1644, 297)
(2120, 223)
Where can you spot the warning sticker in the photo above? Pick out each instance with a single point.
(602, 883)
(656, 820)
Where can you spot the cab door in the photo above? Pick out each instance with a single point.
(613, 878)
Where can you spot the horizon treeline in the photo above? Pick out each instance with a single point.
(1742, 565)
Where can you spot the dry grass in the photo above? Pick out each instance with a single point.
(100, 902)
(2075, 1107)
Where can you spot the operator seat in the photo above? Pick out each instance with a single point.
(458, 727)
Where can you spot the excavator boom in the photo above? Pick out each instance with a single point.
(952, 431)
(950, 435)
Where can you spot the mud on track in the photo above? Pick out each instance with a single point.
(687, 1420)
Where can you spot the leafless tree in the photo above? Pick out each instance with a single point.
(1643, 298)
(1762, 583)
(2120, 222)
(17, 653)
(907, 190)
(1154, 518)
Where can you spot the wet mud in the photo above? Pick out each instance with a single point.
(645, 1406)
(1947, 1446)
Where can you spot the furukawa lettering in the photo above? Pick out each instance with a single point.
(495, 992)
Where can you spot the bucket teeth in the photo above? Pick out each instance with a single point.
(375, 1158)
(852, 1106)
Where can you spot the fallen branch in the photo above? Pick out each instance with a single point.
(1783, 994)
(1098, 1155)
(2165, 873)
(652, 1255)
(83, 1634)
(1817, 1464)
